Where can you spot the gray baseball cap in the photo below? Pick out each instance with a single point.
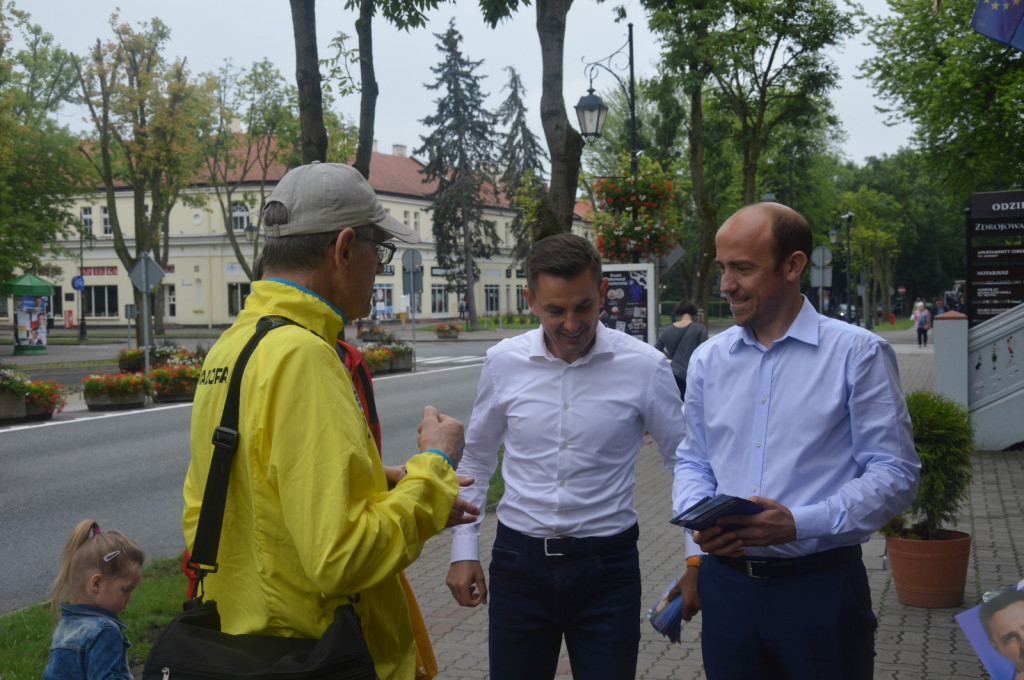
(323, 197)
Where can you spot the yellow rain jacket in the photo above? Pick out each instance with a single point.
(309, 520)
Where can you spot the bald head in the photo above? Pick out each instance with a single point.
(789, 231)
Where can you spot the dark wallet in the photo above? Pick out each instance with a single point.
(705, 512)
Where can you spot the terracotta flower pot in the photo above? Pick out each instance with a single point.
(930, 574)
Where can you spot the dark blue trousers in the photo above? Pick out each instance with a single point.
(804, 627)
(592, 599)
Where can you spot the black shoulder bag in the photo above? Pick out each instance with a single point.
(192, 646)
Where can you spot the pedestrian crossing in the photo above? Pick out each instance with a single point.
(462, 359)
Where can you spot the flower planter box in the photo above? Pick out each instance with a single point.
(12, 406)
(187, 394)
(401, 363)
(36, 412)
(447, 335)
(116, 401)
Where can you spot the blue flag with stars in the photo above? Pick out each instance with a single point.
(1001, 21)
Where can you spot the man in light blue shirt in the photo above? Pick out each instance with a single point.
(804, 415)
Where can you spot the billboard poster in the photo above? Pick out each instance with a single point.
(30, 320)
(628, 304)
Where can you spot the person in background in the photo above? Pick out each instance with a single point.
(805, 416)
(922, 323)
(680, 339)
(313, 523)
(940, 307)
(571, 402)
(99, 570)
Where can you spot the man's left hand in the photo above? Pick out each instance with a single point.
(773, 526)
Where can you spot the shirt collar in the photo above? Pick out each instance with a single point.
(602, 345)
(804, 329)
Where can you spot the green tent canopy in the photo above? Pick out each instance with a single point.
(27, 284)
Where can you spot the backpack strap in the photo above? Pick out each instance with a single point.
(203, 559)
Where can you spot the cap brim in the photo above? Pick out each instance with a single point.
(398, 230)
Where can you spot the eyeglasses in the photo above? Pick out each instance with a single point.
(385, 251)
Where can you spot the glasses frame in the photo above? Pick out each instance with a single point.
(385, 251)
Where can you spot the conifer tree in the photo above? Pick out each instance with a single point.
(460, 158)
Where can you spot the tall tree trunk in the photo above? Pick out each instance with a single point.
(307, 78)
(368, 91)
(565, 145)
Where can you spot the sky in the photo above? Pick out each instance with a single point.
(210, 31)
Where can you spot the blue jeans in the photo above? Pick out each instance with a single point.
(805, 627)
(592, 599)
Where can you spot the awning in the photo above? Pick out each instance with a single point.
(27, 284)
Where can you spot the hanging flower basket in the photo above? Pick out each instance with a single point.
(635, 217)
(112, 391)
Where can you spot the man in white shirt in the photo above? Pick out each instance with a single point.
(570, 401)
(804, 415)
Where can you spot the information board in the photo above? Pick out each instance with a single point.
(628, 304)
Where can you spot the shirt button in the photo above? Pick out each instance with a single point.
(768, 355)
(564, 445)
(561, 482)
(753, 488)
(763, 400)
(565, 406)
(759, 445)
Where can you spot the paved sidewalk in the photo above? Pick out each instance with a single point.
(911, 643)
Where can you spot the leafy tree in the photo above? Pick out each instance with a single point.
(962, 92)
(523, 160)
(253, 108)
(874, 244)
(38, 163)
(460, 153)
(146, 114)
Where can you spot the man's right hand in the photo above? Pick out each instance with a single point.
(438, 431)
(467, 583)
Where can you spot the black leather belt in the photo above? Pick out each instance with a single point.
(785, 567)
(569, 546)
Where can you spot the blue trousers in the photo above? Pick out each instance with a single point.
(593, 600)
(804, 627)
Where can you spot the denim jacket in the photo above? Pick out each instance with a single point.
(89, 644)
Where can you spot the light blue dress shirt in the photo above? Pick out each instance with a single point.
(817, 422)
(572, 433)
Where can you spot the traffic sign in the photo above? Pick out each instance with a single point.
(146, 274)
(78, 283)
(902, 290)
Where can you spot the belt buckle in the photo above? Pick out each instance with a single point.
(750, 568)
(547, 552)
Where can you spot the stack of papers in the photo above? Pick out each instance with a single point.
(667, 615)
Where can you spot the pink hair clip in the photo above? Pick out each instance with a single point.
(111, 555)
(95, 530)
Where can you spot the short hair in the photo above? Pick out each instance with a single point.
(685, 307)
(997, 604)
(792, 233)
(563, 255)
(302, 252)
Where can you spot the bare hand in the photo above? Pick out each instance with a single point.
(774, 526)
(394, 474)
(467, 583)
(438, 431)
(687, 586)
(463, 512)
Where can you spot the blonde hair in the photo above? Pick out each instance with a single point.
(90, 551)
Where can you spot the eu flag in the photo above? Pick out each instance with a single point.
(1001, 21)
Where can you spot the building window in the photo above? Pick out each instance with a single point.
(438, 299)
(99, 301)
(492, 299)
(237, 292)
(86, 216)
(405, 218)
(383, 304)
(416, 222)
(239, 216)
(172, 301)
(107, 228)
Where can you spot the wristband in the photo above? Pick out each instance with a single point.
(442, 454)
(694, 560)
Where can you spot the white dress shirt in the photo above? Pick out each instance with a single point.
(817, 422)
(572, 434)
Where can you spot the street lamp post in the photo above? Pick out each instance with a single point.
(850, 305)
(592, 112)
(83, 333)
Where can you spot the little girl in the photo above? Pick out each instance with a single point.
(98, 572)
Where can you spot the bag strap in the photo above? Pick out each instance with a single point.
(682, 336)
(225, 443)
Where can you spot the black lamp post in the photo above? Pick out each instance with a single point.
(592, 112)
(83, 333)
(849, 216)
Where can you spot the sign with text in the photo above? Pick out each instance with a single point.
(997, 253)
(628, 302)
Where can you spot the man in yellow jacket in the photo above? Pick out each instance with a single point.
(309, 520)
